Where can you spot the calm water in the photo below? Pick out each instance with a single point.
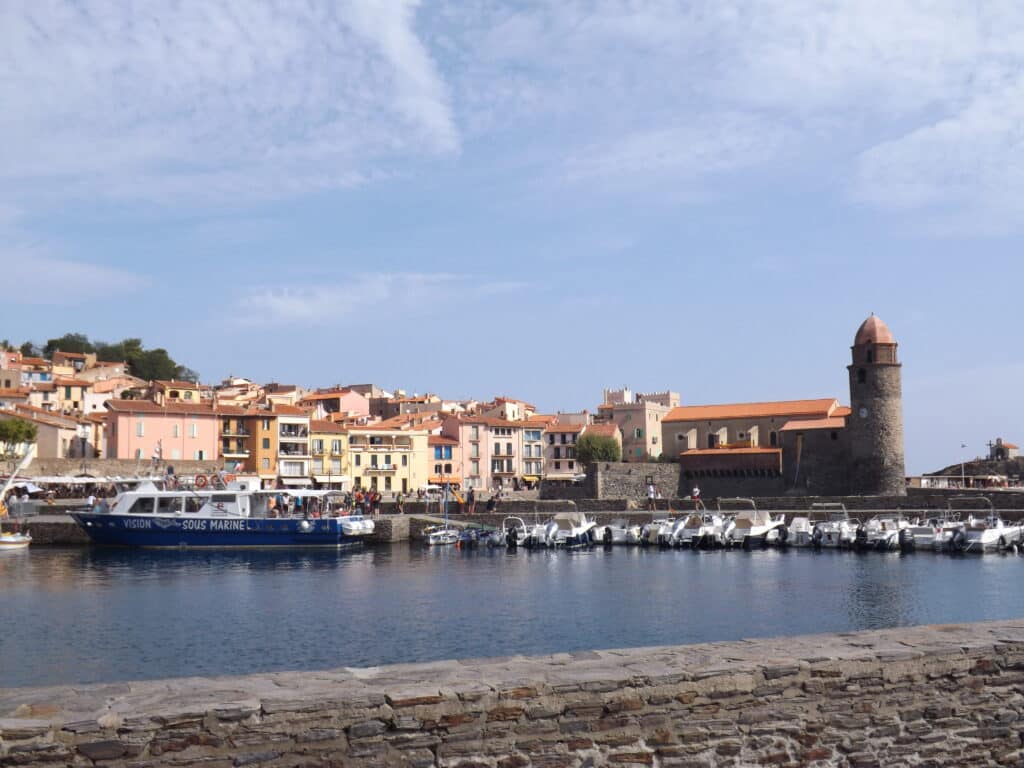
(88, 615)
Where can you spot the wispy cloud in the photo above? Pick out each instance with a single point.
(34, 277)
(370, 298)
(216, 100)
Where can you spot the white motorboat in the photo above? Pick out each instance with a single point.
(11, 540)
(921, 534)
(987, 534)
(699, 531)
(800, 531)
(441, 535)
(753, 527)
(837, 530)
(881, 532)
(569, 529)
(656, 532)
(356, 525)
(616, 532)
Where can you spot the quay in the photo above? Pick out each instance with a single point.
(918, 696)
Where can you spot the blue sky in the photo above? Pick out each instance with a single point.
(528, 199)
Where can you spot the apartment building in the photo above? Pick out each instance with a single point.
(142, 429)
(445, 460)
(639, 417)
(328, 443)
(388, 460)
(492, 450)
(235, 439)
(560, 451)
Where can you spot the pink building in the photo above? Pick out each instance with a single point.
(140, 429)
(491, 450)
(344, 402)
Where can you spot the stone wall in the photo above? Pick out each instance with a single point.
(116, 467)
(923, 696)
(629, 480)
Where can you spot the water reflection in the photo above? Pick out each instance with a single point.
(94, 614)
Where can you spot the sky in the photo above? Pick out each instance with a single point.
(536, 200)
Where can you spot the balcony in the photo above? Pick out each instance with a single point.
(226, 432)
(498, 455)
(380, 468)
(289, 432)
(292, 450)
(234, 453)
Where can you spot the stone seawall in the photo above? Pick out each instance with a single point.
(920, 696)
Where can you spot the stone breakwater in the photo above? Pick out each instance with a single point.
(920, 696)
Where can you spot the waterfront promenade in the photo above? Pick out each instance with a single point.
(918, 696)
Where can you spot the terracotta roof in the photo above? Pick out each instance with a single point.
(565, 428)
(20, 392)
(605, 430)
(492, 422)
(731, 451)
(873, 331)
(1010, 445)
(842, 412)
(175, 384)
(148, 406)
(438, 440)
(821, 407)
(72, 383)
(43, 416)
(75, 355)
(541, 420)
(283, 409)
(44, 386)
(802, 424)
(333, 395)
(34, 361)
(319, 425)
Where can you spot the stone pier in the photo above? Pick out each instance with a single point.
(919, 696)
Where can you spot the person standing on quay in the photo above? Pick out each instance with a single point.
(651, 494)
(471, 498)
(695, 495)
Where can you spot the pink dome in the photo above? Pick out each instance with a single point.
(873, 331)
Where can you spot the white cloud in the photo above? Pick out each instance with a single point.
(31, 276)
(213, 100)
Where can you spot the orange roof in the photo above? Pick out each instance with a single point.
(873, 331)
(44, 386)
(832, 423)
(1010, 445)
(148, 406)
(605, 430)
(318, 425)
(283, 409)
(75, 355)
(72, 383)
(492, 422)
(176, 384)
(842, 412)
(34, 361)
(565, 428)
(730, 451)
(332, 395)
(540, 420)
(821, 407)
(20, 392)
(439, 440)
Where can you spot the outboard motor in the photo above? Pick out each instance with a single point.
(860, 540)
(606, 537)
(816, 536)
(783, 535)
(906, 539)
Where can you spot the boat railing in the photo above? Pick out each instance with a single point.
(737, 504)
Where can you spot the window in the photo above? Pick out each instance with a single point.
(175, 454)
(335, 446)
(266, 443)
(266, 423)
(143, 507)
(405, 461)
(138, 453)
(67, 392)
(679, 437)
(638, 433)
(558, 465)
(571, 464)
(474, 468)
(200, 455)
(497, 449)
(447, 469)
(373, 460)
(437, 451)
(835, 435)
(387, 461)
(474, 450)
(563, 438)
(358, 460)
(318, 466)
(266, 464)
(551, 439)
(447, 451)
(508, 449)
(532, 434)
(654, 440)
(193, 430)
(474, 433)
(168, 505)
(336, 466)
(318, 446)
(140, 428)
(773, 439)
(437, 469)
(558, 452)
(387, 483)
(188, 395)
(871, 359)
(508, 465)
(175, 431)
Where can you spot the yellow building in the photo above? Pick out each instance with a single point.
(390, 460)
(328, 446)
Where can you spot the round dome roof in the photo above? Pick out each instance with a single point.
(873, 331)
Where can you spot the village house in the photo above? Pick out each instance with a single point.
(560, 451)
(336, 402)
(327, 446)
(142, 429)
(638, 416)
(387, 459)
(161, 392)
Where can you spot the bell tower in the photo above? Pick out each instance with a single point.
(875, 427)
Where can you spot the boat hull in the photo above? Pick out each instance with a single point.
(178, 532)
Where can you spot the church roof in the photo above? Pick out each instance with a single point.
(819, 408)
(873, 331)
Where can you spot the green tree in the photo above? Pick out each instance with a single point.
(15, 435)
(591, 448)
(28, 349)
(69, 342)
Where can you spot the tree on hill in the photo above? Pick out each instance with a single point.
(591, 448)
(69, 342)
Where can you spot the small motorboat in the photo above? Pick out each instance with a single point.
(616, 532)
(881, 532)
(837, 531)
(441, 535)
(799, 532)
(14, 540)
(753, 527)
(656, 532)
(570, 529)
(356, 525)
(700, 531)
(987, 534)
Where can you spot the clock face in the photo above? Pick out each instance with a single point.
(863, 412)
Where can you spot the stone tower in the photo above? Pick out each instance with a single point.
(875, 428)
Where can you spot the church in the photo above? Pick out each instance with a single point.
(803, 447)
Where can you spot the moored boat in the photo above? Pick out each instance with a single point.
(752, 527)
(234, 515)
(838, 530)
(12, 540)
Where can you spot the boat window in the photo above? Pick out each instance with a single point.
(223, 498)
(143, 506)
(193, 504)
(168, 505)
